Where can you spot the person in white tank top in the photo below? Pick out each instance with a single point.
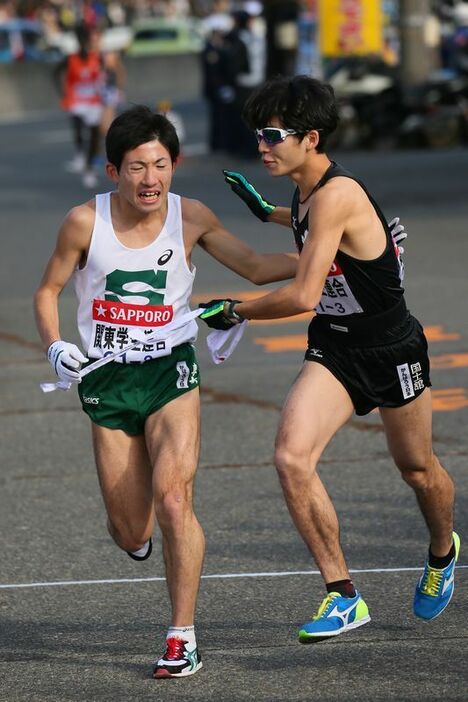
(129, 254)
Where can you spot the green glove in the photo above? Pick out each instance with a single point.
(215, 316)
(246, 191)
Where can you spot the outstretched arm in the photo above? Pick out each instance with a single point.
(204, 228)
(303, 293)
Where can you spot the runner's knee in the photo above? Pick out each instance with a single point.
(292, 465)
(172, 506)
(418, 472)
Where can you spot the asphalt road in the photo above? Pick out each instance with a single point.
(78, 619)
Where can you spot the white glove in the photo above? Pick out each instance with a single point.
(66, 360)
(398, 233)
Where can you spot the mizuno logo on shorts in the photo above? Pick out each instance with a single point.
(406, 382)
(338, 327)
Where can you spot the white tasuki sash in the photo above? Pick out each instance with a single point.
(216, 341)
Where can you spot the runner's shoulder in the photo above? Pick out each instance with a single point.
(340, 193)
(197, 215)
(78, 224)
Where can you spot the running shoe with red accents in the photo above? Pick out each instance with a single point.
(181, 658)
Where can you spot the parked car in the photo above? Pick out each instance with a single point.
(164, 35)
(24, 40)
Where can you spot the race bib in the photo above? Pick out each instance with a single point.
(115, 324)
(337, 298)
(87, 91)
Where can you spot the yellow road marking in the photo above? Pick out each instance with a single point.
(450, 360)
(273, 344)
(449, 400)
(437, 333)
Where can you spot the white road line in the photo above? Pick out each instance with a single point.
(214, 576)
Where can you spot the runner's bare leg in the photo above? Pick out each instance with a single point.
(316, 407)
(124, 472)
(409, 436)
(173, 439)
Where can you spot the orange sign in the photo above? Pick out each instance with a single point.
(350, 27)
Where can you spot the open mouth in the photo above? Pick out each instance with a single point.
(149, 196)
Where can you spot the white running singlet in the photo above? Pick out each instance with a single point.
(121, 289)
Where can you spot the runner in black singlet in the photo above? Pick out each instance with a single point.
(365, 350)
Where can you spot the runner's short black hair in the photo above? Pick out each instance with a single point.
(300, 103)
(137, 126)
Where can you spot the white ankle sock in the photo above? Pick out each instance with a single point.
(187, 633)
(141, 553)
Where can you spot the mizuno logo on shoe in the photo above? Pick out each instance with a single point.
(342, 614)
(448, 582)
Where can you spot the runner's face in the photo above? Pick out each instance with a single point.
(283, 158)
(145, 176)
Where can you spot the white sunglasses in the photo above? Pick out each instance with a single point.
(273, 135)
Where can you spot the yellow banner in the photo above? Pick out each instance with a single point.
(350, 27)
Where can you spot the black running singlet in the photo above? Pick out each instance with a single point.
(354, 286)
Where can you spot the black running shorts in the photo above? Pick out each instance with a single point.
(379, 368)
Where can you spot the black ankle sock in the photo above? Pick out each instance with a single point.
(344, 587)
(147, 554)
(441, 562)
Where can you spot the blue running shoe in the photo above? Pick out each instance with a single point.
(335, 615)
(435, 587)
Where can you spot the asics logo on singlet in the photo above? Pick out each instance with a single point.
(165, 257)
(91, 400)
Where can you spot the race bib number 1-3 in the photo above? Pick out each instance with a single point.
(337, 298)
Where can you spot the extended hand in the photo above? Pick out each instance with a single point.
(398, 233)
(257, 204)
(219, 314)
(66, 360)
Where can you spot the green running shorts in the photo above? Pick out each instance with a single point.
(123, 395)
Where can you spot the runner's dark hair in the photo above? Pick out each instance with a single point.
(137, 126)
(301, 103)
